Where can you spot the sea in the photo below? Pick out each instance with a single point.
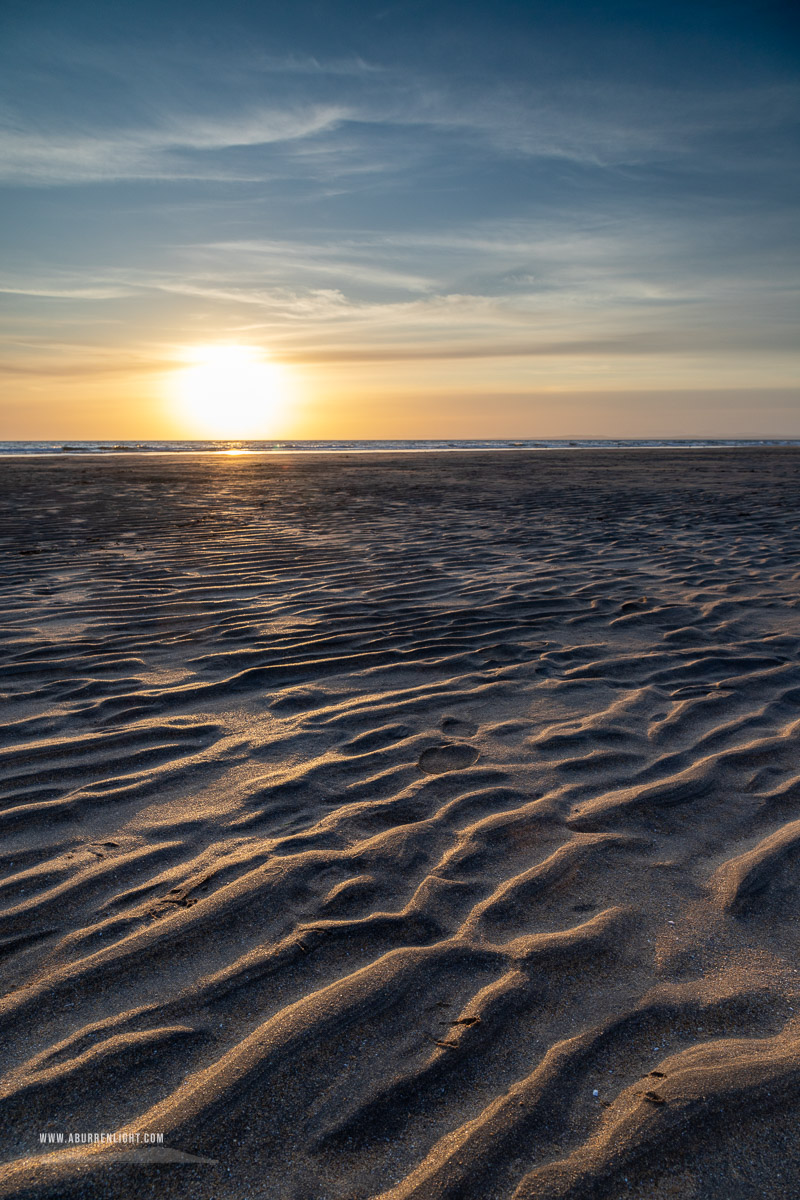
(374, 447)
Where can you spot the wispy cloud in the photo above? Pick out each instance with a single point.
(520, 289)
(180, 148)
(98, 292)
(293, 116)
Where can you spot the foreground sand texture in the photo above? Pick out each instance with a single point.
(402, 826)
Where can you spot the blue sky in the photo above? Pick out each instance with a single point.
(445, 220)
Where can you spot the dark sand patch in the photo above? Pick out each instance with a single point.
(449, 756)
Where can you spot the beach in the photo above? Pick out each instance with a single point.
(401, 826)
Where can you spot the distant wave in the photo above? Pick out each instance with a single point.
(376, 446)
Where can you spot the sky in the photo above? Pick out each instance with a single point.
(398, 219)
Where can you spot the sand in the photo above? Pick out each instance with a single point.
(402, 826)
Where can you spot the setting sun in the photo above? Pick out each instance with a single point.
(230, 392)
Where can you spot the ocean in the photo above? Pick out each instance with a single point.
(375, 446)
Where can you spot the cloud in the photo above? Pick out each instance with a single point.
(82, 369)
(353, 263)
(613, 124)
(180, 148)
(525, 288)
(99, 292)
(307, 64)
(350, 119)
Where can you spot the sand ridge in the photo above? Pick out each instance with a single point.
(410, 826)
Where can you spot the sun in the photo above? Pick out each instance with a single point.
(230, 391)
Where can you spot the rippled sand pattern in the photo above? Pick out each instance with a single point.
(413, 826)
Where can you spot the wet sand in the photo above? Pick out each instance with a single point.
(403, 826)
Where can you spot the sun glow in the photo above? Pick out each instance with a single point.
(231, 392)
